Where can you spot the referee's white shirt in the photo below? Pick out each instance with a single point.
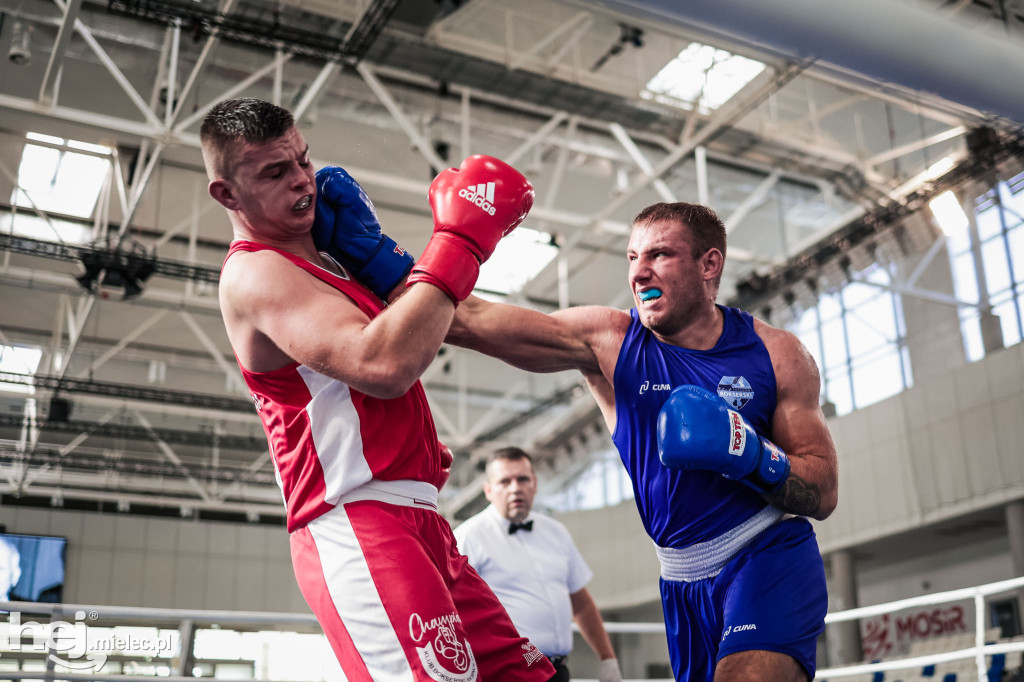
(532, 573)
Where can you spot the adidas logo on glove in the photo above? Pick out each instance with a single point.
(481, 195)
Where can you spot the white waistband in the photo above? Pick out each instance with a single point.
(405, 493)
(707, 559)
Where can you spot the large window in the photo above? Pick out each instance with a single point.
(857, 337)
(61, 176)
(998, 246)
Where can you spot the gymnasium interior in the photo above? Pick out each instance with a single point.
(866, 158)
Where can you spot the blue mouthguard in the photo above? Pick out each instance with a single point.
(649, 294)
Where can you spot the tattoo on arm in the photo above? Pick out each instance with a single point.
(797, 496)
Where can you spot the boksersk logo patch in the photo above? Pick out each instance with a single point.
(735, 390)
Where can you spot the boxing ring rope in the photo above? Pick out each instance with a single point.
(187, 621)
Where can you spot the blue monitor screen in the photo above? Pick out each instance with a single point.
(32, 567)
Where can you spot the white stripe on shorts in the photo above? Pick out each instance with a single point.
(356, 598)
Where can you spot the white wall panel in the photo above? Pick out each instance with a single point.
(127, 580)
(158, 577)
(220, 581)
(96, 566)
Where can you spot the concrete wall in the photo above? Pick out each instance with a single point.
(966, 563)
(124, 560)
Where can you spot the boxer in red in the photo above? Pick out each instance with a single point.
(334, 375)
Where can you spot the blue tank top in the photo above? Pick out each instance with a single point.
(679, 508)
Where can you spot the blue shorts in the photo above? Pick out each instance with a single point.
(771, 596)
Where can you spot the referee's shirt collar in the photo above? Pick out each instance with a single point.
(502, 521)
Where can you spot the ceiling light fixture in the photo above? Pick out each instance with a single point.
(628, 35)
(20, 53)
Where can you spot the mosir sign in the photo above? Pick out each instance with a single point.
(891, 634)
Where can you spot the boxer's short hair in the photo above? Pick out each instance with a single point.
(239, 120)
(706, 228)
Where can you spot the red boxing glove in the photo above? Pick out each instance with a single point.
(446, 463)
(474, 206)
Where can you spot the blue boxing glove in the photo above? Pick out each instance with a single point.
(698, 430)
(346, 227)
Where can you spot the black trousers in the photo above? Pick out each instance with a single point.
(561, 669)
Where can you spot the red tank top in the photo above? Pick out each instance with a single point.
(327, 438)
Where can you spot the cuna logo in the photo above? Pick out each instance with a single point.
(644, 387)
(739, 628)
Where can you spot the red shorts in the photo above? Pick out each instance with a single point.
(398, 601)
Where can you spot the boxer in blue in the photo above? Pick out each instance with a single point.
(716, 417)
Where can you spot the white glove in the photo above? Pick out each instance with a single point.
(610, 671)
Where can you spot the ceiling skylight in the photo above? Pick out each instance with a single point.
(517, 260)
(19, 360)
(701, 77)
(58, 179)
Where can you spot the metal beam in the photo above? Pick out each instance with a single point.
(233, 91)
(933, 296)
(925, 261)
(910, 147)
(230, 371)
(122, 343)
(572, 41)
(34, 474)
(531, 142)
(200, 64)
(114, 71)
(60, 46)
(700, 165)
(313, 91)
(488, 418)
(751, 201)
(522, 58)
(641, 161)
(111, 389)
(173, 457)
(421, 143)
(138, 188)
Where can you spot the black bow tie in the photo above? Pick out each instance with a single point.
(525, 525)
